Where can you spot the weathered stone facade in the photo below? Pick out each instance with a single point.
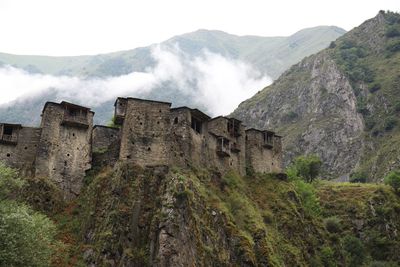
(18, 147)
(64, 150)
(149, 133)
(153, 134)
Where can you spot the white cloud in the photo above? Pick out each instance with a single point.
(210, 80)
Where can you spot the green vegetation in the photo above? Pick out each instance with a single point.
(354, 251)
(356, 54)
(393, 179)
(358, 177)
(306, 168)
(9, 181)
(27, 238)
(332, 224)
(257, 219)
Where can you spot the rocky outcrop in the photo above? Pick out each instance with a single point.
(341, 104)
(314, 107)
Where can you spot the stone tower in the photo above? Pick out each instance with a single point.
(64, 149)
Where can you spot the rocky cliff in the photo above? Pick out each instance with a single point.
(129, 216)
(341, 103)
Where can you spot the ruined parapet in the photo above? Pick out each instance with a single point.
(64, 150)
(18, 147)
(227, 144)
(263, 151)
(144, 132)
(120, 110)
(105, 145)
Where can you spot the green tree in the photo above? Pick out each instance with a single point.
(354, 251)
(393, 179)
(305, 167)
(27, 238)
(358, 177)
(9, 181)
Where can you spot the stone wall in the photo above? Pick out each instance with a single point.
(234, 145)
(259, 157)
(145, 131)
(64, 150)
(151, 134)
(22, 154)
(105, 145)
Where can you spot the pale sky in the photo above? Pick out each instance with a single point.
(76, 27)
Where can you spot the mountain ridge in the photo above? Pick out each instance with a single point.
(339, 103)
(266, 57)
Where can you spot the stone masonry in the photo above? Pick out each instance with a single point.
(147, 133)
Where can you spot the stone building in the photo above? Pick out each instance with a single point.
(18, 147)
(153, 133)
(64, 150)
(147, 133)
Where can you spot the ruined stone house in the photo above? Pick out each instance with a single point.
(67, 144)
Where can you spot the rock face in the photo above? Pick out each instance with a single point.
(341, 103)
(314, 107)
(173, 217)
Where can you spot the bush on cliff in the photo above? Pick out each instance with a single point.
(27, 238)
(393, 179)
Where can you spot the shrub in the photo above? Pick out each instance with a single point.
(27, 238)
(392, 31)
(390, 123)
(392, 17)
(308, 197)
(397, 107)
(332, 224)
(374, 87)
(354, 251)
(327, 257)
(393, 46)
(393, 179)
(306, 168)
(369, 123)
(347, 44)
(112, 123)
(358, 177)
(332, 45)
(9, 181)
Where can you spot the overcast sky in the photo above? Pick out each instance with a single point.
(76, 27)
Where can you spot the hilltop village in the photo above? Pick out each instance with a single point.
(147, 133)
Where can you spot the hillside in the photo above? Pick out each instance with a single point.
(267, 55)
(341, 103)
(271, 55)
(129, 216)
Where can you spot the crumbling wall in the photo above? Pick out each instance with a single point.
(178, 139)
(22, 154)
(105, 145)
(64, 152)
